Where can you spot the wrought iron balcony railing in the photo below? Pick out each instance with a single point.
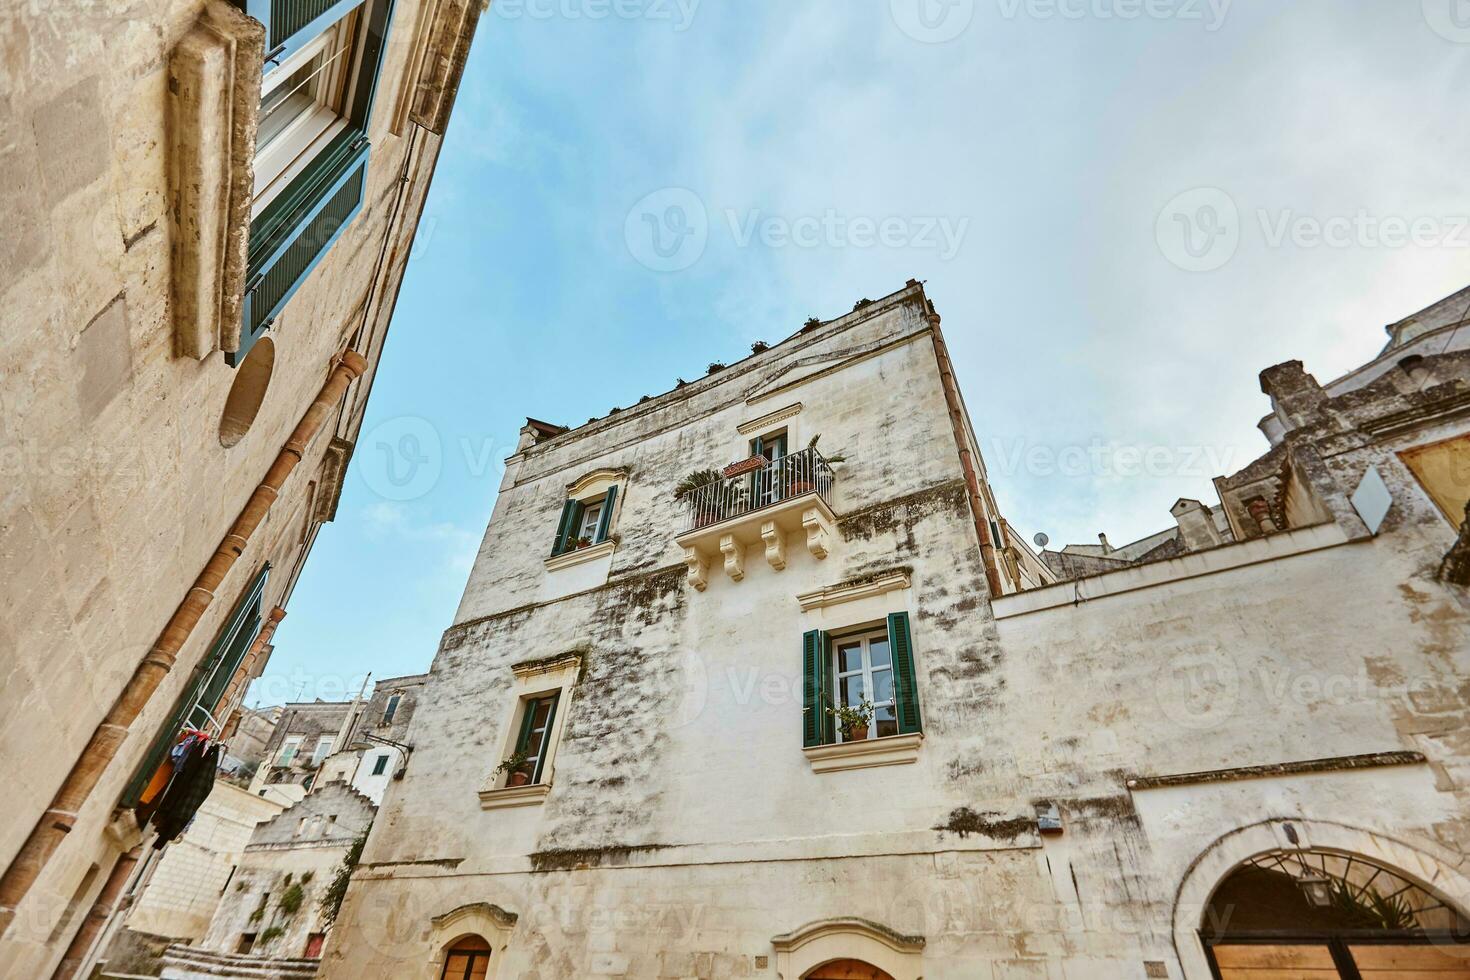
(791, 476)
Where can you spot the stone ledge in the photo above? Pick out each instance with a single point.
(1344, 763)
(581, 556)
(498, 799)
(895, 750)
(848, 592)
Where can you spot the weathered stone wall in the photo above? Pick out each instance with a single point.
(117, 487)
(685, 829)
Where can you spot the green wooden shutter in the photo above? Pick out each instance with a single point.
(569, 514)
(817, 723)
(546, 738)
(292, 233)
(291, 23)
(604, 522)
(206, 685)
(906, 684)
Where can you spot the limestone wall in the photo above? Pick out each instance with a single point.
(117, 486)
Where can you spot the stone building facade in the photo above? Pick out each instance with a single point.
(209, 209)
(1134, 773)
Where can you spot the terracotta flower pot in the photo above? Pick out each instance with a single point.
(857, 733)
(800, 487)
(518, 778)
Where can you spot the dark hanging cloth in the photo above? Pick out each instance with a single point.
(186, 793)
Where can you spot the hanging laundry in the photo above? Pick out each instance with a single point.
(186, 792)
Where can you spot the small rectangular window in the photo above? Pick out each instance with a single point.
(289, 748)
(322, 750)
(536, 721)
(863, 668)
(380, 765)
(869, 670)
(391, 709)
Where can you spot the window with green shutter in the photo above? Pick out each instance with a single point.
(585, 522)
(199, 707)
(537, 716)
(318, 87)
(868, 670)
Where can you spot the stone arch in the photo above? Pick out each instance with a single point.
(831, 941)
(1426, 865)
(479, 919)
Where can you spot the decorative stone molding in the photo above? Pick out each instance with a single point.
(895, 750)
(596, 483)
(213, 109)
(767, 527)
(818, 532)
(734, 553)
(333, 473)
(581, 555)
(697, 574)
(441, 65)
(802, 950)
(762, 424)
(475, 910)
(550, 665)
(851, 591)
(775, 545)
(510, 796)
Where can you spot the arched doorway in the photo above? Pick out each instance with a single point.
(467, 959)
(847, 970)
(1329, 915)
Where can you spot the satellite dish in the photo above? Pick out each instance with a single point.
(1041, 539)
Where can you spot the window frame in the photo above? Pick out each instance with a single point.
(285, 156)
(292, 742)
(864, 638)
(820, 680)
(390, 709)
(598, 493)
(555, 678)
(380, 764)
(317, 755)
(529, 706)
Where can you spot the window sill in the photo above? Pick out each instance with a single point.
(509, 796)
(591, 553)
(895, 750)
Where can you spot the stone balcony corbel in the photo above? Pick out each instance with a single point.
(770, 527)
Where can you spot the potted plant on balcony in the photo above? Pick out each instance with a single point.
(853, 720)
(805, 482)
(707, 505)
(518, 773)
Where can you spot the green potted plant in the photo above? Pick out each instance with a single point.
(518, 773)
(853, 720)
(806, 482)
(706, 505)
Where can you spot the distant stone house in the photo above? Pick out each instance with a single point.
(270, 911)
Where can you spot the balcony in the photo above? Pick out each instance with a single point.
(760, 506)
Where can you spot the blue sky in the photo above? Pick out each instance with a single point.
(1123, 209)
